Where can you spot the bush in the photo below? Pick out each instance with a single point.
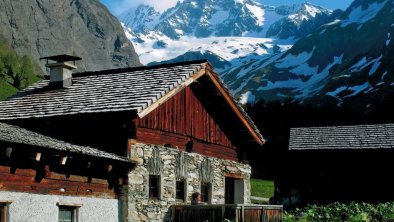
(353, 212)
(16, 72)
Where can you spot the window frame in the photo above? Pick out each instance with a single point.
(4, 214)
(183, 188)
(73, 209)
(158, 187)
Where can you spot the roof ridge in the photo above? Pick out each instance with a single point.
(139, 68)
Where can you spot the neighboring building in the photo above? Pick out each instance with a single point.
(338, 163)
(45, 179)
(177, 123)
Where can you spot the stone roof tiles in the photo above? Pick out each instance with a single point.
(14, 134)
(119, 91)
(127, 89)
(380, 136)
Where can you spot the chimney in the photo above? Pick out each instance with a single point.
(60, 70)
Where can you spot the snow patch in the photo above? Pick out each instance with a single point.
(384, 75)
(306, 88)
(294, 60)
(363, 63)
(355, 90)
(388, 38)
(258, 13)
(247, 97)
(375, 67)
(361, 16)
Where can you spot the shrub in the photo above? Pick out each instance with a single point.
(352, 212)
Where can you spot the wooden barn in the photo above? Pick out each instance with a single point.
(152, 135)
(338, 163)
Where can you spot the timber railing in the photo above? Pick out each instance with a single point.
(227, 213)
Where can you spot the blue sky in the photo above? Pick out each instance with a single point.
(118, 6)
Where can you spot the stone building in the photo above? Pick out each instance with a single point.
(173, 129)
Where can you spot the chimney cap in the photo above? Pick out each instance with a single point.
(62, 58)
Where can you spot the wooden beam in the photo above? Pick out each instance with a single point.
(173, 92)
(238, 176)
(234, 106)
(38, 157)
(63, 160)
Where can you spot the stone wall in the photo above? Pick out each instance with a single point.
(39, 208)
(141, 208)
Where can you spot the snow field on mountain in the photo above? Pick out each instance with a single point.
(360, 15)
(227, 48)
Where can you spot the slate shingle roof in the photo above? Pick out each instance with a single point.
(130, 89)
(97, 92)
(14, 134)
(342, 137)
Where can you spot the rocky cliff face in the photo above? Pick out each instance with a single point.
(78, 27)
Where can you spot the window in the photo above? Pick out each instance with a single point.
(154, 186)
(205, 192)
(2, 212)
(67, 214)
(180, 190)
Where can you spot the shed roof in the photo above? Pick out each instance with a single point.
(380, 136)
(14, 134)
(128, 89)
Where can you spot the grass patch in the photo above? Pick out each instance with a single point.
(262, 188)
(6, 90)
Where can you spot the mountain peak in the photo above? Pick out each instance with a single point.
(198, 18)
(301, 21)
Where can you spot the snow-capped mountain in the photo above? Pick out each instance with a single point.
(347, 61)
(300, 21)
(198, 18)
(140, 19)
(226, 32)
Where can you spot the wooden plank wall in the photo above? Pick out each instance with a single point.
(181, 118)
(23, 180)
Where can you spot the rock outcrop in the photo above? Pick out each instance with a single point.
(84, 28)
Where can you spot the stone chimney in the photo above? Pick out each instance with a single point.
(60, 70)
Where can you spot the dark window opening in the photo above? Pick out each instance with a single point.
(180, 190)
(154, 186)
(205, 192)
(67, 214)
(189, 146)
(2, 212)
(229, 188)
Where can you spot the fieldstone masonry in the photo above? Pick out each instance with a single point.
(141, 208)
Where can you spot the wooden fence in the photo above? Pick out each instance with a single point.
(227, 213)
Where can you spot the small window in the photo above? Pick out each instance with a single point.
(154, 186)
(3, 212)
(67, 214)
(180, 190)
(205, 192)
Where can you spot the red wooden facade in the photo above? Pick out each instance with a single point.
(23, 180)
(181, 119)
